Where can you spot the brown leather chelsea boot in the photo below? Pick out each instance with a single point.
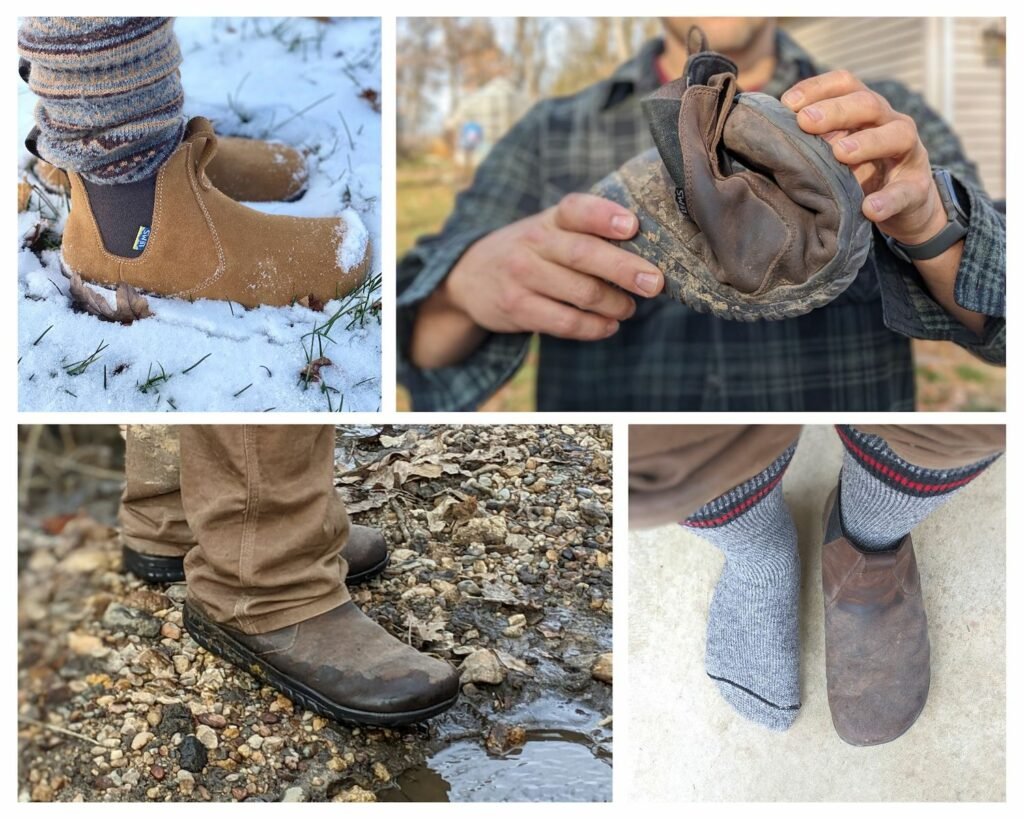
(340, 664)
(746, 215)
(877, 656)
(201, 244)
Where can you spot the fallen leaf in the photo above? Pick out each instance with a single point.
(56, 524)
(371, 97)
(130, 305)
(311, 372)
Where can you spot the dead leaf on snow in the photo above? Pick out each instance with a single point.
(311, 372)
(130, 305)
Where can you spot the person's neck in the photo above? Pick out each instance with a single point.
(755, 64)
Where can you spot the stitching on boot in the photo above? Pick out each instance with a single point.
(221, 262)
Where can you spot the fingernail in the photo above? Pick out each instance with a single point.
(848, 144)
(622, 223)
(611, 328)
(647, 282)
(812, 113)
(792, 97)
(877, 204)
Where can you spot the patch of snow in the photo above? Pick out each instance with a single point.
(352, 248)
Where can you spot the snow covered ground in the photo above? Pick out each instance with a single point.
(311, 84)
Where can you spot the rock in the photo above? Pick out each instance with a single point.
(170, 631)
(147, 600)
(213, 720)
(206, 735)
(593, 514)
(85, 561)
(482, 666)
(491, 531)
(177, 592)
(181, 664)
(601, 670)
(503, 738)
(186, 782)
(192, 754)
(380, 772)
(86, 644)
(141, 740)
(295, 794)
(132, 621)
(355, 794)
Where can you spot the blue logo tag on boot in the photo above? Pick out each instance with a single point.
(141, 238)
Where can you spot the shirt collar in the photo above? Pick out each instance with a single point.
(639, 75)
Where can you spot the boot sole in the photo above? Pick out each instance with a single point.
(219, 643)
(161, 569)
(152, 568)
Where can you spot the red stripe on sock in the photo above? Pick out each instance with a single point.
(902, 479)
(739, 508)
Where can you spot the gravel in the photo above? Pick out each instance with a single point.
(501, 565)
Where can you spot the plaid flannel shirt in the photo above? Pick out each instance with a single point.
(853, 354)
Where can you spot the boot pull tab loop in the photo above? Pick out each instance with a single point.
(201, 129)
(209, 150)
(696, 40)
(703, 64)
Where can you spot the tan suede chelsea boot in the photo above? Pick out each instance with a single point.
(204, 245)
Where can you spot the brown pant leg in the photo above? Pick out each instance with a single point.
(676, 469)
(941, 446)
(152, 518)
(261, 502)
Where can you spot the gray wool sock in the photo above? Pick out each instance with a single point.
(883, 497)
(753, 643)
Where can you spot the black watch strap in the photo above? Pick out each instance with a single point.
(954, 230)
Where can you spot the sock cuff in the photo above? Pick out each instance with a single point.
(874, 455)
(730, 505)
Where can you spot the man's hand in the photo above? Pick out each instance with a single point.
(885, 153)
(882, 148)
(551, 273)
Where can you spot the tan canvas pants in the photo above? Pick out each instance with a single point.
(257, 501)
(676, 469)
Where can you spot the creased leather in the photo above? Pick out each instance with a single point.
(746, 215)
(877, 653)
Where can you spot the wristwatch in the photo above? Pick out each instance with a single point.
(953, 232)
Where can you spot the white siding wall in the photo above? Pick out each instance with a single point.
(979, 103)
(915, 51)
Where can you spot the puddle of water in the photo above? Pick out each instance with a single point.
(553, 766)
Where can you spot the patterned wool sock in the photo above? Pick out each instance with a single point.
(109, 93)
(883, 497)
(753, 644)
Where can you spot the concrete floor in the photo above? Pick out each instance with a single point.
(688, 744)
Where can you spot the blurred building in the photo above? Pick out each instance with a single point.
(957, 63)
(484, 116)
